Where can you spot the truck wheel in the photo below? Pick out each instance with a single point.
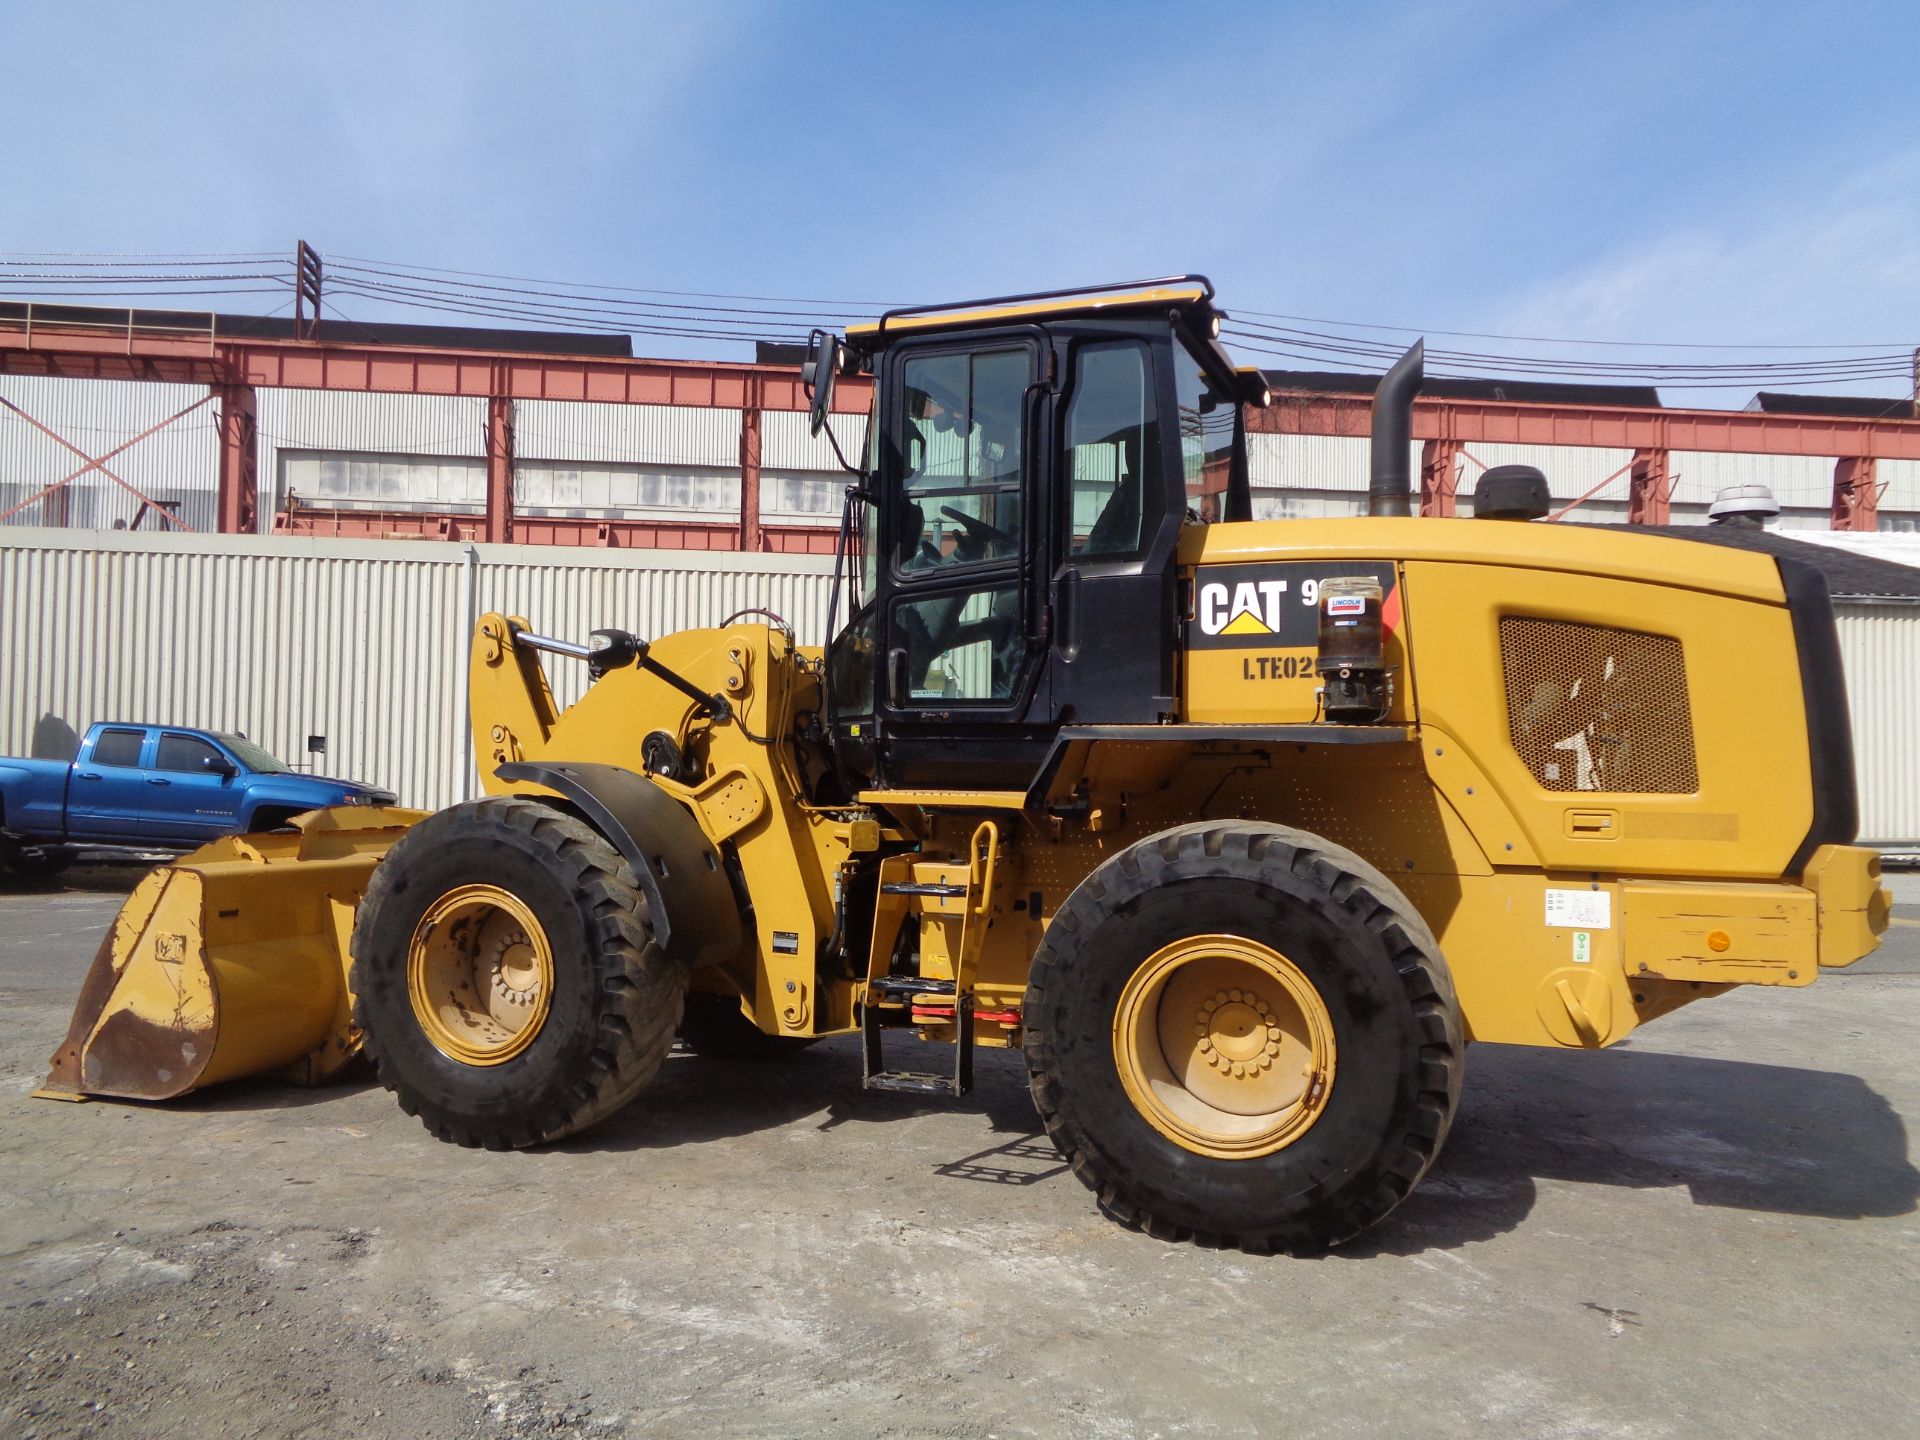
(1242, 1034)
(38, 864)
(714, 1027)
(506, 976)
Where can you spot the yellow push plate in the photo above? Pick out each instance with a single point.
(1720, 934)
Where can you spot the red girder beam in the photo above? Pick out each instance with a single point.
(1495, 422)
(1649, 489)
(1856, 494)
(750, 410)
(239, 482)
(415, 370)
(409, 370)
(569, 530)
(499, 527)
(1439, 477)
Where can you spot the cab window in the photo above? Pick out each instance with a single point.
(961, 645)
(1208, 415)
(962, 446)
(119, 748)
(1112, 450)
(184, 753)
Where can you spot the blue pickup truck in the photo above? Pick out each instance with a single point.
(153, 787)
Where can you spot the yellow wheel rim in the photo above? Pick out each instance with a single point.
(1224, 1046)
(480, 974)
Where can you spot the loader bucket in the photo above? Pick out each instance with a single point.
(230, 961)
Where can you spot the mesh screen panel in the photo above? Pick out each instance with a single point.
(1592, 707)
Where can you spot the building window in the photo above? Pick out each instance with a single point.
(570, 488)
(341, 480)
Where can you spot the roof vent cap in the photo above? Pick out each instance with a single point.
(1749, 506)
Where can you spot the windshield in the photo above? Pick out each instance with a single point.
(252, 756)
(1208, 413)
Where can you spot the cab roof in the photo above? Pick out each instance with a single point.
(1184, 292)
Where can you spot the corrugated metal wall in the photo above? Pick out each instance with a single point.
(1880, 646)
(362, 642)
(786, 445)
(330, 420)
(365, 642)
(177, 463)
(633, 434)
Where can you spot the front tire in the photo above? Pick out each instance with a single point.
(506, 977)
(1242, 1034)
(35, 863)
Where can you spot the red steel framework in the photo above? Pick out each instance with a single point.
(236, 369)
(1449, 425)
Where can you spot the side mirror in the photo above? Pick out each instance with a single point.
(816, 377)
(217, 765)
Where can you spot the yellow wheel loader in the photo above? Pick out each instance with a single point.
(1238, 830)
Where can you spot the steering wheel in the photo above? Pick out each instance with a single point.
(976, 528)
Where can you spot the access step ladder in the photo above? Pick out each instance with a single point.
(910, 991)
(952, 905)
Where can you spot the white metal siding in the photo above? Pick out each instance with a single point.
(179, 462)
(349, 423)
(364, 642)
(1880, 646)
(626, 434)
(786, 445)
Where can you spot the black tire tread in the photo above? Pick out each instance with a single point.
(638, 997)
(1346, 880)
(33, 863)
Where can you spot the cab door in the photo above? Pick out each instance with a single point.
(957, 588)
(109, 790)
(198, 795)
(1118, 505)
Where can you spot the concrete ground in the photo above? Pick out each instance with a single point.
(1707, 1231)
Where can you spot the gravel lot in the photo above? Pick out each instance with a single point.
(1706, 1231)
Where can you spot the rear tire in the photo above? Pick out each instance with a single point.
(1366, 1061)
(506, 975)
(713, 1026)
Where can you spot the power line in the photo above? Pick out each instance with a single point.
(1553, 340)
(676, 314)
(1727, 382)
(1343, 344)
(874, 305)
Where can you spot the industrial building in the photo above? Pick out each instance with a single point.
(289, 494)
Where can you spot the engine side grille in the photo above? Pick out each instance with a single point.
(1593, 707)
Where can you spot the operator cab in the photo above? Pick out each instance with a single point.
(1030, 463)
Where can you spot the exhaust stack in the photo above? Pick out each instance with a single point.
(1390, 482)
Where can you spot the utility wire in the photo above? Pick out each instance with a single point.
(1560, 340)
(649, 307)
(873, 305)
(678, 314)
(561, 308)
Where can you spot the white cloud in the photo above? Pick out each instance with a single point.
(1838, 267)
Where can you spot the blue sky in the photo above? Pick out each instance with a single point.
(1743, 173)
